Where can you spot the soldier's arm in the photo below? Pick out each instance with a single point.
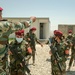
(22, 25)
(38, 41)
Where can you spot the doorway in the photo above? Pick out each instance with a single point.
(41, 30)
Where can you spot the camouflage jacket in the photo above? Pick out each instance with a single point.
(6, 28)
(61, 47)
(20, 48)
(19, 54)
(33, 39)
(69, 38)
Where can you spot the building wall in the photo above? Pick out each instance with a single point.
(65, 28)
(46, 29)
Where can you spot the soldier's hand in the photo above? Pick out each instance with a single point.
(33, 18)
(28, 39)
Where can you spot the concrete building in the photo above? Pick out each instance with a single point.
(66, 27)
(42, 25)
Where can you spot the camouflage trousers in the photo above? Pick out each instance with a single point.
(17, 72)
(15, 67)
(71, 60)
(4, 70)
(56, 71)
(33, 55)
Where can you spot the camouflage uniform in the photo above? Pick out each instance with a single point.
(61, 47)
(6, 28)
(16, 68)
(71, 46)
(32, 42)
(69, 40)
(72, 53)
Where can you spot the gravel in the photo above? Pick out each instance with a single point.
(43, 64)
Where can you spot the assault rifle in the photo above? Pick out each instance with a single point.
(57, 57)
(17, 55)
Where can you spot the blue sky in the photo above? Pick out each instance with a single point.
(58, 11)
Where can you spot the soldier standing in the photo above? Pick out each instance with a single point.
(69, 38)
(58, 56)
(51, 39)
(71, 46)
(19, 55)
(32, 39)
(72, 54)
(6, 28)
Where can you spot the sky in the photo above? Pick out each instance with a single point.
(58, 11)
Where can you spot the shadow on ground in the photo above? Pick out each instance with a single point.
(70, 73)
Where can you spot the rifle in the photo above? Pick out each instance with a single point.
(57, 57)
(17, 55)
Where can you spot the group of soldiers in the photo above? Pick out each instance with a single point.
(60, 47)
(21, 51)
(14, 56)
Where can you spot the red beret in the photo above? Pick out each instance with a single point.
(1, 8)
(20, 32)
(33, 29)
(59, 33)
(55, 31)
(70, 31)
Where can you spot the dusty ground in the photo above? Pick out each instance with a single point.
(43, 64)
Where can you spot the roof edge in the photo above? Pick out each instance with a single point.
(29, 17)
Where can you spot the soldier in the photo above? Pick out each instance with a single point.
(71, 46)
(69, 38)
(20, 54)
(6, 28)
(72, 54)
(58, 55)
(52, 41)
(32, 39)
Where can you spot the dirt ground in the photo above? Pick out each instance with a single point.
(43, 64)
